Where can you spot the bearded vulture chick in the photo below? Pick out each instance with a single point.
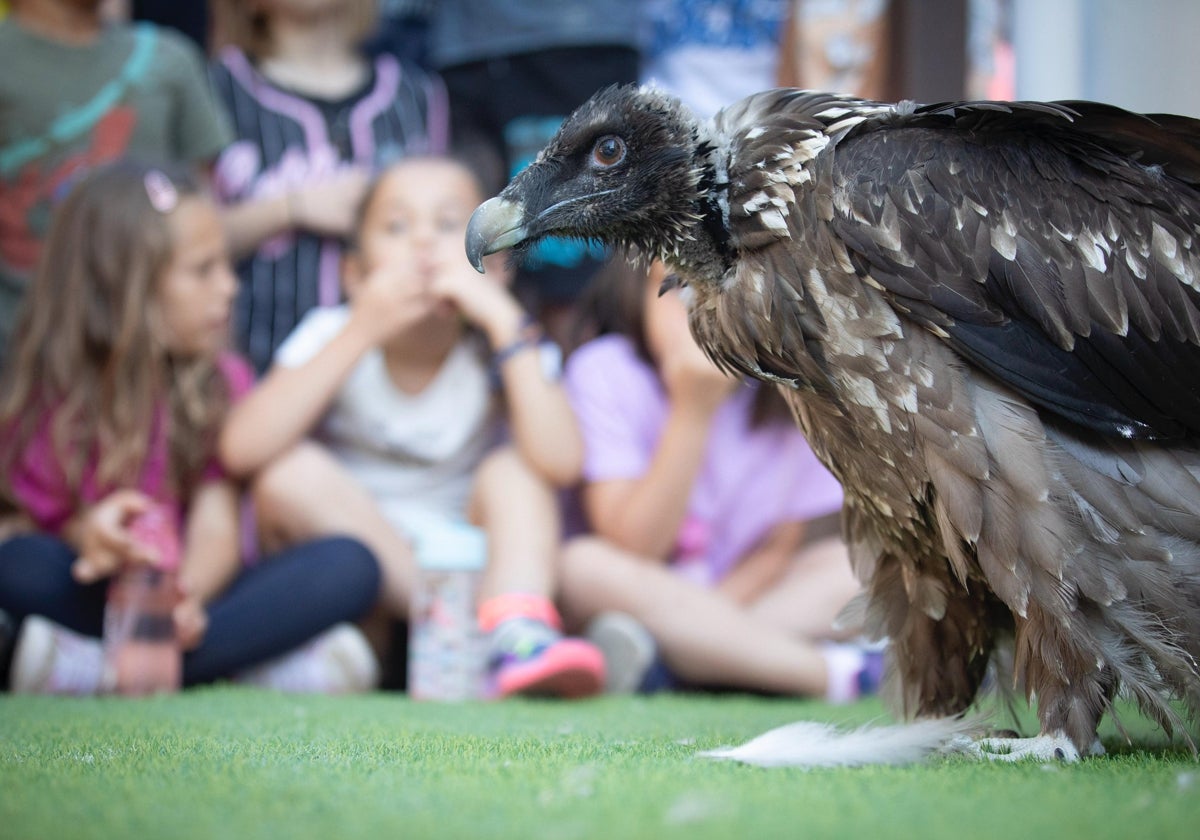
(986, 317)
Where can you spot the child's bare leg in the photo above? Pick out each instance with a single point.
(519, 512)
(306, 493)
(703, 637)
(527, 652)
(806, 601)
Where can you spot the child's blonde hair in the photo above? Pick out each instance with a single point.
(243, 24)
(84, 355)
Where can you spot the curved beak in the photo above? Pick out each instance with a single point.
(495, 225)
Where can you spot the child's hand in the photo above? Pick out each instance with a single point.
(388, 300)
(329, 205)
(482, 301)
(105, 541)
(689, 376)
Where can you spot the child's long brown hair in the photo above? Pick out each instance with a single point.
(84, 356)
(614, 302)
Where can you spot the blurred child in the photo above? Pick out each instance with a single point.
(314, 117)
(412, 386)
(77, 92)
(714, 524)
(111, 403)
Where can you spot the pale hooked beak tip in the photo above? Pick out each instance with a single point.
(495, 225)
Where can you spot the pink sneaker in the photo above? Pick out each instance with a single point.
(50, 659)
(339, 661)
(566, 667)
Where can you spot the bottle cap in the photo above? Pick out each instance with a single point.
(451, 546)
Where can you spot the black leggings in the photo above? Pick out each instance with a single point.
(269, 609)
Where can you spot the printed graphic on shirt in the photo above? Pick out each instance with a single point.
(36, 171)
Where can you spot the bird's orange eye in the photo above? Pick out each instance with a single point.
(608, 151)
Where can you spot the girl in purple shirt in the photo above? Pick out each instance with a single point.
(714, 525)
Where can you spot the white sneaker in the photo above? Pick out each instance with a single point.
(339, 661)
(50, 659)
(628, 649)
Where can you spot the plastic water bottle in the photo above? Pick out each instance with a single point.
(141, 647)
(445, 657)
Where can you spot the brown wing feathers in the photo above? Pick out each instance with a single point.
(1086, 311)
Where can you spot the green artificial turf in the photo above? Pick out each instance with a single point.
(236, 762)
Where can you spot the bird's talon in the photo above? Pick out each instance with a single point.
(1042, 748)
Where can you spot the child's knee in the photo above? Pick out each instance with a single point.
(358, 570)
(293, 483)
(286, 493)
(502, 467)
(294, 470)
(35, 565)
(582, 560)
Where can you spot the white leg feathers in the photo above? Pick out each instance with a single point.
(808, 744)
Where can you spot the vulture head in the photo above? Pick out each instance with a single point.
(630, 167)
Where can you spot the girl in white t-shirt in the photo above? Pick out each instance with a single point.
(412, 389)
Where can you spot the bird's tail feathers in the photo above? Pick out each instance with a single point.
(808, 744)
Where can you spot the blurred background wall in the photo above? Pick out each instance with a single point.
(1140, 55)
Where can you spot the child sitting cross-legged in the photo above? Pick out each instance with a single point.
(714, 558)
(110, 405)
(427, 399)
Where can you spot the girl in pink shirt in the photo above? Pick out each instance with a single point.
(714, 525)
(115, 389)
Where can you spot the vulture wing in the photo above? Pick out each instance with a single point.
(1054, 246)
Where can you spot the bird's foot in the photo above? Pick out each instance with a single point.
(1045, 747)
